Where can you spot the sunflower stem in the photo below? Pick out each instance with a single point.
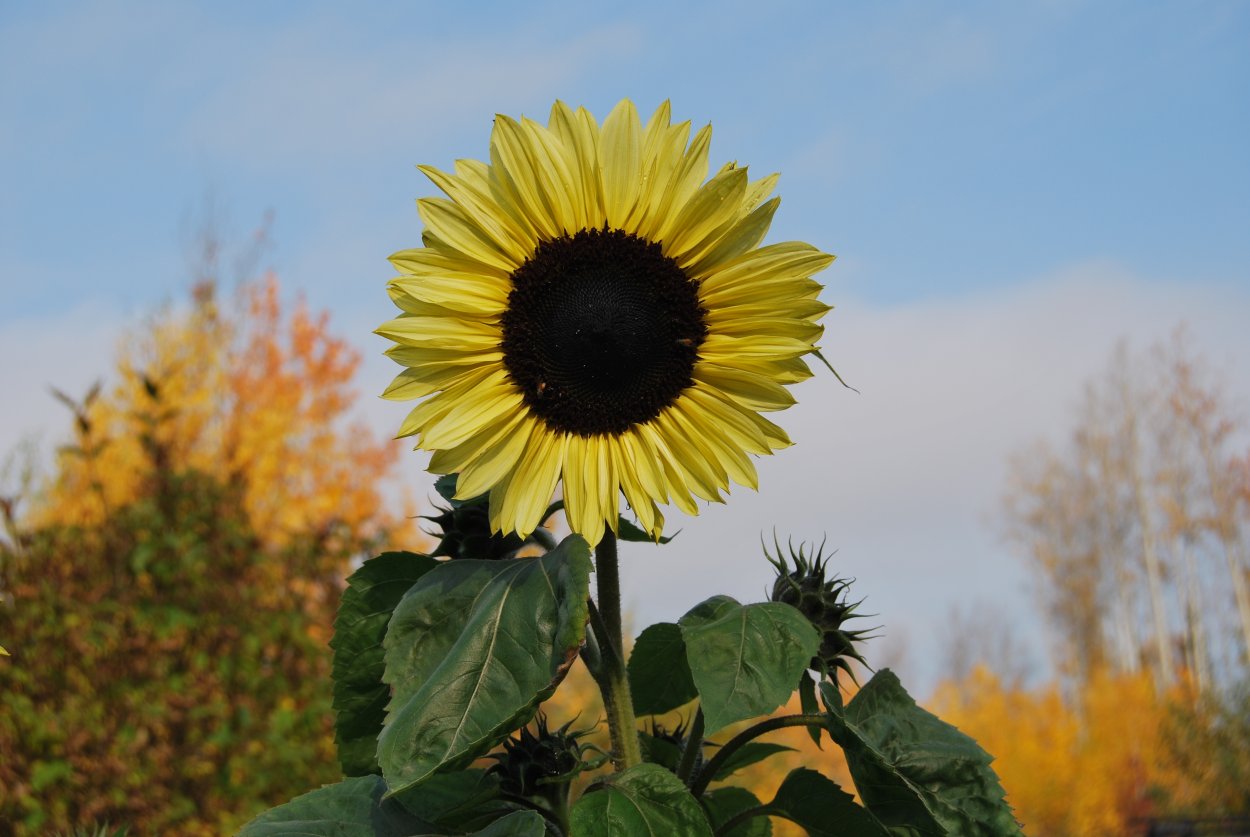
(614, 680)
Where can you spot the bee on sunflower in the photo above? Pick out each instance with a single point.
(591, 310)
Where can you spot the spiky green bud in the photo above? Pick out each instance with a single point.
(540, 762)
(826, 605)
(464, 528)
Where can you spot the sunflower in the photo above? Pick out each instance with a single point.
(591, 309)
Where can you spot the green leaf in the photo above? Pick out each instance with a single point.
(352, 808)
(516, 824)
(723, 803)
(644, 800)
(628, 531)
(807, 702)
(822, 808)
(471, 650)
(466, 799)
(748, 754)
(659, 677)
(745, 659)
(360, 696)
(914, 770)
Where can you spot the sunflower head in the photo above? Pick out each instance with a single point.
(591, 310)
(533, 762)
(826, 604)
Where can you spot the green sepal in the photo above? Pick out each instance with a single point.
(360, 696)
(914, 770)
(659, 677)
(745, 659)
(629, 531)
(471, 651)
(645, 799)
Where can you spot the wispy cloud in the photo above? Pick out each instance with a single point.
(298, 99)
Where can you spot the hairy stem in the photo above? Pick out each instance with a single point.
(613, 680)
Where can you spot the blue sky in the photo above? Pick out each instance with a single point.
(1010, 187)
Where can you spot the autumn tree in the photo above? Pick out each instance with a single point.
(167, 596)
(1135, 529)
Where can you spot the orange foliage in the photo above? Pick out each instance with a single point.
(1086, 766)
(260, 403)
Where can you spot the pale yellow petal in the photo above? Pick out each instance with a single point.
(441, 332)
(794, 328)
(473, 411)
(554, 176)
(730, 350)
(473, 197)
(494, 460)
(537, 177)
(424, 261)
(453, 460)
(435, 407)
(476, 297)
(620, 156)
(700, 425)
(418, 356)
(749, 389)
(538, 471)
(420, 382)
(775, 262)
(745, 234)
(714, 205)
(449, 223)
(685, 181)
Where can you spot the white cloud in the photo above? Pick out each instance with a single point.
(299, 95)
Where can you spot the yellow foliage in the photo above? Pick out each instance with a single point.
(259, 402)
(1088, 765)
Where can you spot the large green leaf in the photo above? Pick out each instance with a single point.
(471, 650)
(915, 771)
(352, 808)
(822, 808)
(644, 800)
(659, 677)
(516, 824)
(723, 803)
(360, 696)
(745, 659)
(461, 800)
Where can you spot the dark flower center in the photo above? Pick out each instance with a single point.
(602, 331)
